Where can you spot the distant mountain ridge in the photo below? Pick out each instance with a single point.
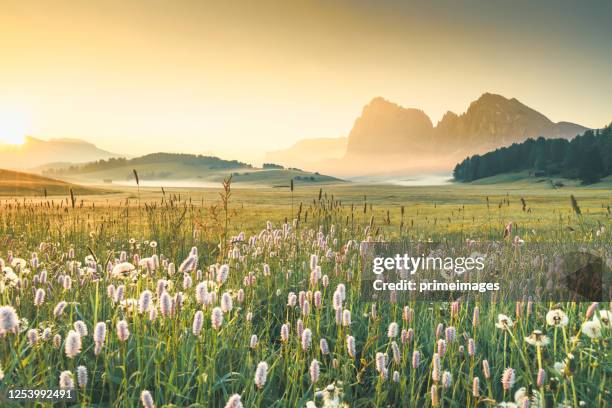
(309, 153)
(36, 152)
(388, 138)
(385, 128)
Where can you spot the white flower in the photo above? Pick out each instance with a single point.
(556, 317)
(592, 329)
(503, 322)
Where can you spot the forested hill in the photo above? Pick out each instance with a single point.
(587, 157)
(208, 162)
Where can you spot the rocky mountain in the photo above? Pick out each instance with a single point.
(309, 153)
(36, 152)
(493, 121)
(405, 138)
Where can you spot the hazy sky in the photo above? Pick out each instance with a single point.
(236, 79)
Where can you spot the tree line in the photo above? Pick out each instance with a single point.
(586, 157)
(209, 162)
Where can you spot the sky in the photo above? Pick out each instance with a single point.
(236, 79)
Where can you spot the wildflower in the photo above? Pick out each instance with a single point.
(416, 359)
(216, 318)
(556, 317)
(447, 379)
(407, 314)
(202, 293)
(435, 399)
(144, 302)
(350, 346)
(9, 321)
(392, 330)
(396, 376)
(234, 402)
(82, 376)
(198, 321)
(57, 341)
(110, 291)
(146, 399)
(441, 347)
(73, 344)
(46, 334)
(254, 341)
(397, 356)
(536, 338)
(122, 269)
(261, 373)
(100, 332)
(299, 325)
(381, 362)
(59, 309)
(284, 332)
(471, 347)
(318, 299)
(450, 334)
(592, 329)
(165, 304)
(476, 387)
(123, 333)
(324, 347)
(81, 328)
(485, 369)
(189, 264)
(67, 283)
(222, 274)
(39, 298)
(66, 382)
(435, 372)
(226, 303)
(591, 310)
(508, 378)
(439, 329)
(119, 293)
(337, 300)
(305, 308)
(32, 336)
(306, 339)
(503, 322)
(314, 371)
(541, 379)
(346, 318)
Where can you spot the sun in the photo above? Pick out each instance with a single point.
(12, 128)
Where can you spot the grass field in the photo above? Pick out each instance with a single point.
(14, 183)
(267, 312)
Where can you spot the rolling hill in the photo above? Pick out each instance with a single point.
(186, 169)
(14, 183)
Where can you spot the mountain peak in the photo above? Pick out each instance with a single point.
(490, 121)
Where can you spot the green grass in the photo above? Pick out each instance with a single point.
(180, 368)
